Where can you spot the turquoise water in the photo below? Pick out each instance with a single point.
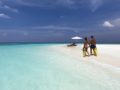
(40, 67)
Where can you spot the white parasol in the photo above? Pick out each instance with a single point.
(76, 38)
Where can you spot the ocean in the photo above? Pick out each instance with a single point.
(40, 67)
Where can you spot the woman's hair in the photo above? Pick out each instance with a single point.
(85, 38)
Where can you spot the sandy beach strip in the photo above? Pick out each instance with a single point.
(108, 54)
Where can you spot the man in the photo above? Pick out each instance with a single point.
(93, 46)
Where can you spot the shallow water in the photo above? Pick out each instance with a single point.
(39, 67)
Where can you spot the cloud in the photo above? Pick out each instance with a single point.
(25, 33)
(53, 27)
(108, 24)
(112, 23)
(4, 34)
(7, 7)
(10, 9)
(95, 4)
(2, 15)
(45, 2)
(117, 22)
(91, 4)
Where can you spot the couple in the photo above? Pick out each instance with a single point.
(91, 44)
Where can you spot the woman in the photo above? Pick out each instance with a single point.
(85, 47)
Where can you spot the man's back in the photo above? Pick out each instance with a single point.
(93, 41)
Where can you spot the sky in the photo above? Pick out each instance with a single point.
(59, 20)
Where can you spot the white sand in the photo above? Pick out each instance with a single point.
(107, 54)
(103, 70)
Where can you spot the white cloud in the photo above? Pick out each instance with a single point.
(25, 33)
(95, 4)
(91, 4)
(4, 34)
(10, 9)
(62, 17)
(112, 23)
(108, 24)
(53, 27)
(117, 22)
(4, 6)
(47, 3)
(2, 15)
